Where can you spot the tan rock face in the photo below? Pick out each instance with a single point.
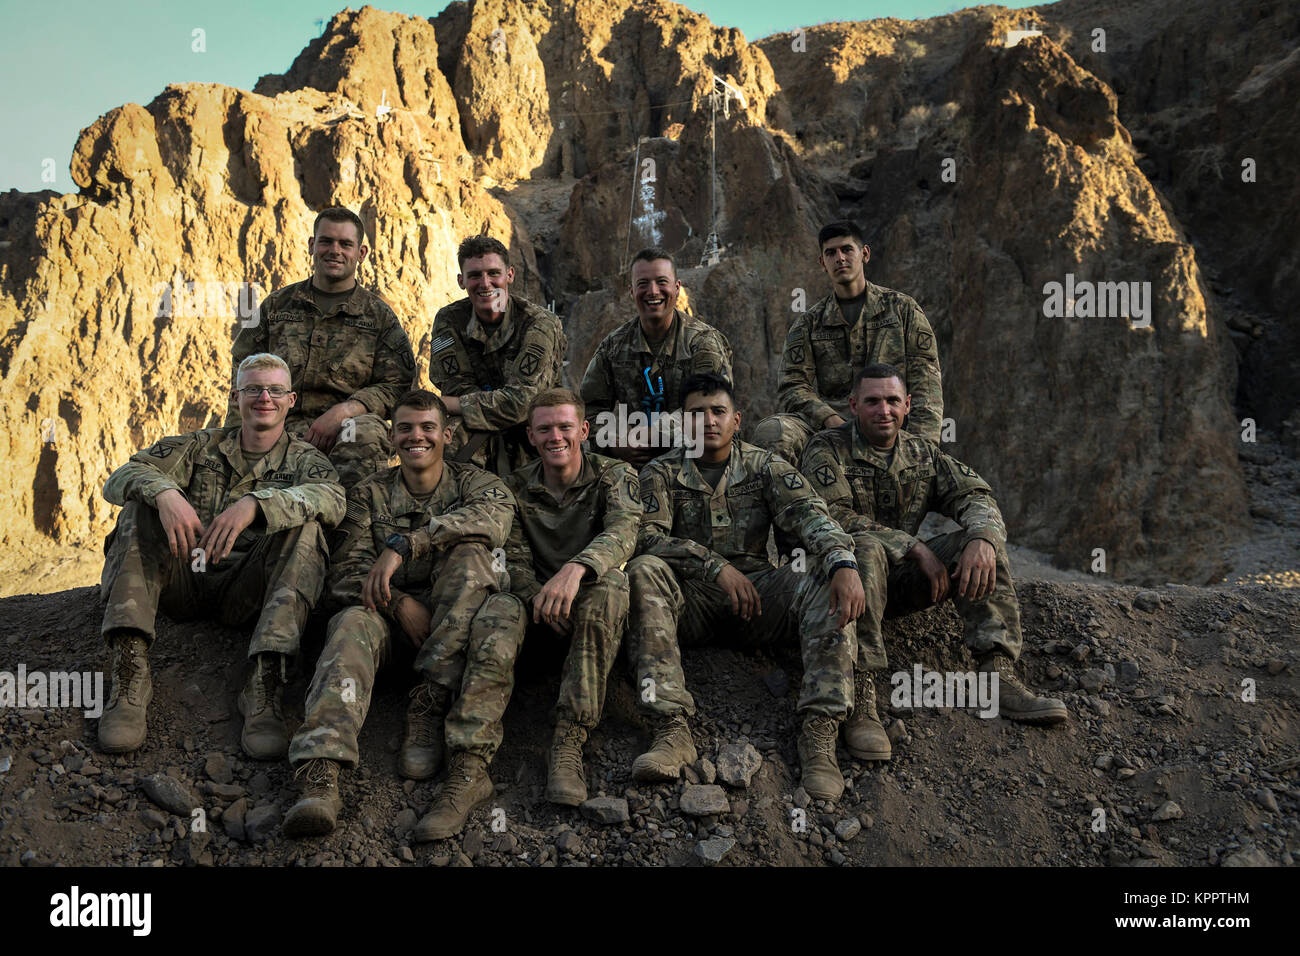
(523, 120)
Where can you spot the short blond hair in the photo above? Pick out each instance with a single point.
(552, 397)
(263, 360)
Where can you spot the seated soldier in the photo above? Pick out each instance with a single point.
(703, 572)
(491, 352)
(222, 521)
(575, 526)
(345, 347)
(879, 482)
(414, 557)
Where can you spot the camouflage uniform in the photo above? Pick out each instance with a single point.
(495, 372)
(594, 524)
(476, 627)
(882, 503)
(357, 351)
(690, 532)
(276, 569)
(823, 353)
(616, 374)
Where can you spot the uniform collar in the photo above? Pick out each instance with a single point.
(537, 480)
(496, 336)
(352, 305)
(872, 305)
(903, 457)
(688, 476)
(674, 336)
(400, 499)
(271, 461)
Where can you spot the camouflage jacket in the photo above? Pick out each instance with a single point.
(823, 353)
(495, 372)
(358, 351)
(617, 372)
(698, 530)
(595, 522)
(467, 505)
(293, 482)
(890, 499)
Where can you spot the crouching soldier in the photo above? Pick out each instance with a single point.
(227, 522)
(413, 558)
(879, 482)
(575, 526)
(703, 572)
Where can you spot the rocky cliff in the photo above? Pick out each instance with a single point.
(981, 172)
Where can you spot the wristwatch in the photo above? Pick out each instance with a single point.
(399, 543)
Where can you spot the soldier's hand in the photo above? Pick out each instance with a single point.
(414, 618)
(375, 592)
(180, 521)
(219, 540)
(847, 596)
(555, 600)
(745, 602)
(976, 570)
(324, 431)
(932, 569)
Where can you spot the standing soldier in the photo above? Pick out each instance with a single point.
(704, 571)
(642, 364)
(414, 558)
(576, 522)
(859, 323)
(492, 351)
(225, 522)
(879, 482)
(345, 348)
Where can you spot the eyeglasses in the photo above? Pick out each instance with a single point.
(255, 391)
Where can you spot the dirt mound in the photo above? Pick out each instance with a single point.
(1154, 681)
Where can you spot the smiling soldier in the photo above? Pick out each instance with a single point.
(346, 350)
(223, 521)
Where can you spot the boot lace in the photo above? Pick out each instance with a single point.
(821, 734)
(421, 724)
(458, 781)
(319, 776)
(265, 683)
(568, 753)
(128, 674)
(666, 732)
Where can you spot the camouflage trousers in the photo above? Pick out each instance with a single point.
(367, 451)
(275, 578)
(784, 434)
(598, 614)
(476, 632)
(667, 612)
(992, 623)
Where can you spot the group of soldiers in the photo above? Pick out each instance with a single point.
(501, 521)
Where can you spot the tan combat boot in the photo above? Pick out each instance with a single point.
(262, 703)
(864, 736)
(468, 786)
(672, 747)
(317, 810)
(1015, 700)
(565, 784)
(122, 724)
(821, 774)
(422, 749)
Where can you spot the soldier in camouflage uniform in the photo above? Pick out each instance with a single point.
(703, 570)
(414, 558)
(346, 349)
(576, 522)
(228, 521)
(857, 324)
(642, 364)
(879, 482)
(491, 353)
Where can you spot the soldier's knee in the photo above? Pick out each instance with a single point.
(605, 600)
(646, 570)
(353, 623)
(768, 432)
